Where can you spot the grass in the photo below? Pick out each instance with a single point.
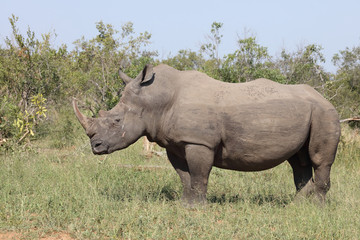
(100, 197)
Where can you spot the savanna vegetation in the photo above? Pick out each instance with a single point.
(50, 181)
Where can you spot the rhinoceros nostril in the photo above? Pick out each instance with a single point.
(96, 144)
(99, 147)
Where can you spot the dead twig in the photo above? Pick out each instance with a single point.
(23, 137)
(350, 119)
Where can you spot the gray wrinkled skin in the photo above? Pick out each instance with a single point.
(202, 122)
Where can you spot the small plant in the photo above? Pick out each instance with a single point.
(8, 111)
(27, 120)
(63, 129)
(64, 136)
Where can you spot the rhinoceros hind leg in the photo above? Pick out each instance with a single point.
(302, 170)
(321, 182)
(323, 143)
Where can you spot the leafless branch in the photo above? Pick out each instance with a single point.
(101, 90)
(350, 119)
(336, 92)
(23, 137)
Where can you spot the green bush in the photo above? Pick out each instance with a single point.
(8, 114)
(62, 128)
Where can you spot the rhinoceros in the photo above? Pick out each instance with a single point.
(204, 123)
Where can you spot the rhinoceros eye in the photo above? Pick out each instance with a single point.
(117, 120)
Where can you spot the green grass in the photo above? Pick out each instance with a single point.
(101, 197)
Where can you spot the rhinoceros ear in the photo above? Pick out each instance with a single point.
(147, 75)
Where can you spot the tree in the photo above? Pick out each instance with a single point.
(345, 89)
(29, 67)
(348, 63)
(249, 62)
(186, 60)
(30, 75)
(213, 63)
(303, 66)
(98, 60)
(211, 48)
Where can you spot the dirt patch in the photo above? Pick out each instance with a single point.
(52, 236)
(57, 236)
(9, 235)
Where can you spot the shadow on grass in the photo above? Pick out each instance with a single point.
(166, 193)
(271, 199)
(258, 199)
(169, 193)
(225, 199)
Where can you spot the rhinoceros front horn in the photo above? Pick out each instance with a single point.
(81, 117)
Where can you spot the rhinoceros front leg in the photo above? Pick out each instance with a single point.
(193, 167)
(179, 163)
(200, 160)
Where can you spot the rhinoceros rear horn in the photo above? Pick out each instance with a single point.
(124, 77)
(84, 121)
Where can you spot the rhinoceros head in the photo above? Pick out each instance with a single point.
(123, 125)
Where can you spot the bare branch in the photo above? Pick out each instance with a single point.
(336, 92)
(350, 119)
(23, 137)
(101, 90)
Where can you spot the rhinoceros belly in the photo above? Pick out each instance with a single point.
(258, 137)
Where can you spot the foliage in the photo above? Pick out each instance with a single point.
(97, 61)
(26, 121)
(186, 60)
(89, 71)
(63, 132)
(249, 62)
(303, 66)
(8, 112)
(345, 90)
(29, 66)
(29, 74)
(211, 49)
